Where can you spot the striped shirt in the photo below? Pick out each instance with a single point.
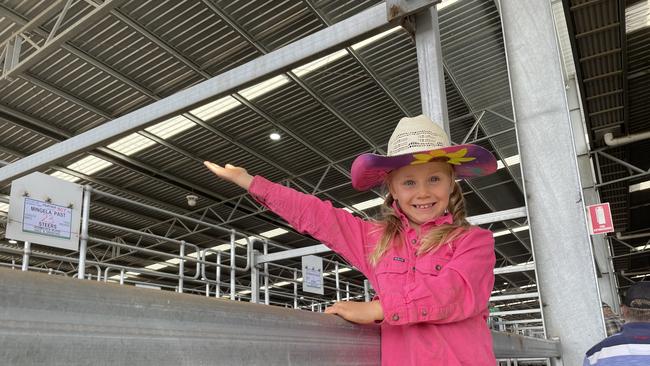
(630, 347)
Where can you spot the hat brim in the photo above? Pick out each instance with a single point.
(468, 161)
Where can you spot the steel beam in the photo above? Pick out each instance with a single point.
(558, 227)
(515, 268)
(515, 312)
(508, 345)
(529, 295)
(430, 68)
(523, 321)
(303, 50)
(514, 213)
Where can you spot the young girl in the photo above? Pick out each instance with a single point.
(431, 269)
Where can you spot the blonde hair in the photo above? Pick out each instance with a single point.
(391, 225)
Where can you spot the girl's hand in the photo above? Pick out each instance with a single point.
(357, 312)
(231, 173)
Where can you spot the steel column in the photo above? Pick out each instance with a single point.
(561, 244)
(27, 250)
(83, 242)
(430, 67)
(255, 279)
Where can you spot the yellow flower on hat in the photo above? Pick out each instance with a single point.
(454, 158)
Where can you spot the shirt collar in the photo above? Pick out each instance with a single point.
(447, 218)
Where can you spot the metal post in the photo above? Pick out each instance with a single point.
(232, 265)
(27, 251)
(336, 278)
(83, 243)
(121, 276)
(204, 277)
(430, 67)
(217, 290)
(347, 291)
(181, 268)
(366, 290)
(266, 274)
(295, 289)
(255, 279)
(558, 226)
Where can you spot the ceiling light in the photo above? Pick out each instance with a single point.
(509, 161)
(273, 233)
(13, 241)
(156, 266)
(640, 186)
(513, 230)
(65, 176)
(275, 136)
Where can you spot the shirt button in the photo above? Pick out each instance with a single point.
(438, 267)
(395, 317)
(413, 268)
(424, 313)
(413, 241)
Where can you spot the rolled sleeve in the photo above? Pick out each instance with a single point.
(341, 231)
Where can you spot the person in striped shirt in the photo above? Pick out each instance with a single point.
(630, 347)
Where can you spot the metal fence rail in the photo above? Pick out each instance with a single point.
(62, 321)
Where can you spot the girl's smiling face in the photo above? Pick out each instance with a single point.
(422, 191)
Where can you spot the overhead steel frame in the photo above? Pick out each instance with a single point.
(561, 244)
(113, 156)
(116, 158)
(12, 47)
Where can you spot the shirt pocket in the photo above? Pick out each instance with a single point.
(391, 275)
(430, 265)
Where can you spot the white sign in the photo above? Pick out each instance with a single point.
(45, 210)
(312, 274)
(47, 219)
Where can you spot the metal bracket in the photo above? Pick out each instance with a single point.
(397, 9)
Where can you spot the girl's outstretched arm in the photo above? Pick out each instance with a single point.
(231, 173)
(341, 231)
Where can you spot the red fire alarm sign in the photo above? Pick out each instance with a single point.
(600, 219)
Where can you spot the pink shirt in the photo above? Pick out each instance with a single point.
(435, 305)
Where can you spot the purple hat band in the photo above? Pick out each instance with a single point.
(468, 161)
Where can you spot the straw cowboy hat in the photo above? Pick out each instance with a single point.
(417, 140)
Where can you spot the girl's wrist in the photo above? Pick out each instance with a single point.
(246, 181)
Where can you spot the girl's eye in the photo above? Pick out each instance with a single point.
(409, 183)
(434, 179)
